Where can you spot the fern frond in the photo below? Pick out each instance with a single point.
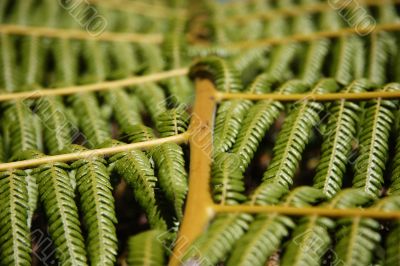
(153, 98)
(225, 76)
(172, 122)
(314, 60)
(56, 125)
(65, 53)
(58, 198)
(93, 126)
(280, 59)
(338, 135)
(392, 245)
(356, 240)
(227, 180)
(171, 173)
(146, 249)
(267, 231)
(228, 121)
(123, 57)
(18, 121)
(126, 113)
(309, 242)
(94, 54)
(379, 55)
(181, 90)
(33, 55)
(374, 136)
(258, 120)
(247, 59)
(262, 239)
(343, 67)
(97, 206)
(140, 133)
(213, 246)
(294, 136)
(15, 247)
(152, 56)
(10, 76)
(33, 195)
(136, 169)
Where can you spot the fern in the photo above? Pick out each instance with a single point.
(153, 98)
(338, 136)
(146, 248)
(172, 175)
(14, 244)
(225, 76)
(126, 113)
(18, 122)
(33, 195)
(136, 169)
(97, 205)
(57, 196)
(55, 122)
(94, 128)
(314, 60)
(370, 164)
(9, 79)
(227, 180)
(172, 122)
(213, 245)
(169, 163)
(258, 119)
(379, 54)
(229, 117)
(294, 136)
(268, 230)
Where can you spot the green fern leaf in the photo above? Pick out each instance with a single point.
(370, 164)
(172, 122)
(124, 111)
(228, 120)
(345, 56)
(357, 239)
(379, 55)
(136, 169)
(258, 120)
(57, 196)
(93, 126)
(140, 133)
(9, 79)
(33, 195)
(227, 180)
(34, 51)
(152, 56)
(338, 135)
(15, 247)
(153, 98)
(65, 53)
(171, 172)
(146, 249)
(18, 122)
(56, 125)
(97, 204)
(225, 76)
(314, 60)
(294, 136)
(309, 242)
(267, 231)
(214, 245)
(181, 90)
(263, 238)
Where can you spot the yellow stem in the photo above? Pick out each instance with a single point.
(154, 38)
